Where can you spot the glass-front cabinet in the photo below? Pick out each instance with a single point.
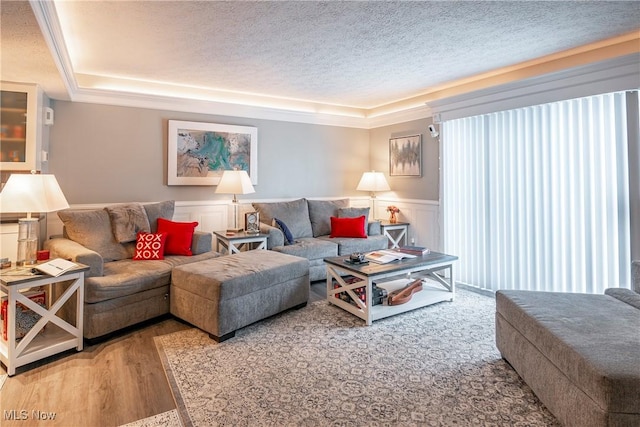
(21, 116)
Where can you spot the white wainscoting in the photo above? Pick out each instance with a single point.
(423, 215)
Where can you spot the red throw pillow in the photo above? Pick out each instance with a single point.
(149, 246)
(348, 227)
(179, 236)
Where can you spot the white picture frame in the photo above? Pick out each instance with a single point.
(198, 153)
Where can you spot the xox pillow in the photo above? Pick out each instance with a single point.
(149, 246)
(179, 236)
(348, 227)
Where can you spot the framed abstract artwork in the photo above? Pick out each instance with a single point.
(198, 153)
(405, 156)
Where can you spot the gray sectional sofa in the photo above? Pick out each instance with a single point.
(579, 353)
(309, 222)
(120, 291)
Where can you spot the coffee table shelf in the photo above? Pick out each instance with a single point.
(436, 290)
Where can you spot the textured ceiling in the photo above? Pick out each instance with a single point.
(358, 54)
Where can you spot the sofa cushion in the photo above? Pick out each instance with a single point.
(348, 227)
(128, 277)
(354, 213)
(347, 245)
(627, 296)
(590, 338)
(92, 229)
(159, 210)
(127, 220)
(294, 213)
(310, 248)
(320, 211)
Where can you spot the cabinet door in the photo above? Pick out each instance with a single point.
(20, 127)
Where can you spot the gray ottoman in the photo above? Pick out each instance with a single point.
(579, 353)
(224, 294)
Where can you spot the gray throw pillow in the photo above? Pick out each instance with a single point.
(295, 214)
(320, 213)
(92, 229)
(127, 220)
(355, 213)
(159, 210)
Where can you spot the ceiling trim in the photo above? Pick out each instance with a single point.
(45, 13)
(611, 75)
(169, 103)
(120, 92)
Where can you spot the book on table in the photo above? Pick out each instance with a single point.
(25, 317)
(386, 256)
(56, 267)
(414, 250)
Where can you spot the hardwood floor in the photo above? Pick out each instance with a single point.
(111, 383)
(108, 384)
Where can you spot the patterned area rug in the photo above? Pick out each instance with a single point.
(319, 366)
(166, 419)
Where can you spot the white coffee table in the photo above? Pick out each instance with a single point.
(436, 290)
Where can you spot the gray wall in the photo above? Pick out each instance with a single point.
(423, 188)
(107, 154)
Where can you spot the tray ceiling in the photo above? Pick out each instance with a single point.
(358, 55)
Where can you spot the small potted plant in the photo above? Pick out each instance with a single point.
(393, 210)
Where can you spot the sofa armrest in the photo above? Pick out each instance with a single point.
(202, 242)
(374, 228)
(635, 275)
(625, 295)
(275, 236)
(68, 249)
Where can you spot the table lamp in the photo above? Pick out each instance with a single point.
(30, 193)
(373, 181)
(235, 182)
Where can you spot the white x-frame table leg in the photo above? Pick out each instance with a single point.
(41, 342)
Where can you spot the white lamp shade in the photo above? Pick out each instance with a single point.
(373, 181)
(32, 193)
(235, 182)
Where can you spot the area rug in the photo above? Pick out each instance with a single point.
(321, 366)
(166, 419)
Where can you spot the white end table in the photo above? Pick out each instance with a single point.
(396, 232)
(39, 342)
(239, 240)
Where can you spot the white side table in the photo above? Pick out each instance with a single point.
(233, 244)
(41, 342)
(397, 233)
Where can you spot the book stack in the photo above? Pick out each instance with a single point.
(25, 317)
(378, 295)
(414, 250)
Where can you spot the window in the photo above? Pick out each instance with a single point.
(537, 198)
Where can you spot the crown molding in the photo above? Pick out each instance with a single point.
(496, 86)
(617, 74)
(158, 102)
(47, 17)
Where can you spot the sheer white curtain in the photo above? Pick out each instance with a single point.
(537, 198)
